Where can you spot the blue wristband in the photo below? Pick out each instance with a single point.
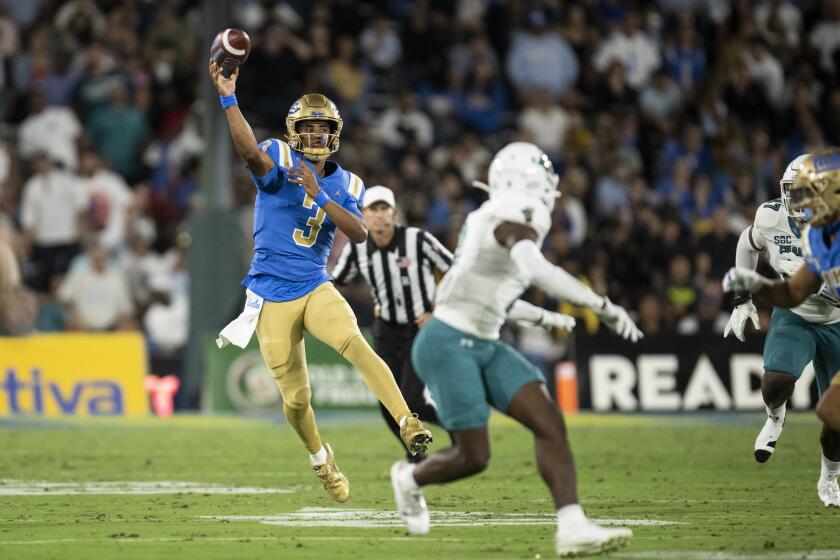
(228, 100)
(322, 199)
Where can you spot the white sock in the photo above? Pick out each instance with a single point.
(406, 477)
(320, 458)
(777, 415)
(829, 469)
(570, 515)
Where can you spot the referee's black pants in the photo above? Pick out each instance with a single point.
(392, 342)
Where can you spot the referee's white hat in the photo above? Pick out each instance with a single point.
(379, 194)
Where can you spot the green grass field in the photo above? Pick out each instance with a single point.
(696, 473)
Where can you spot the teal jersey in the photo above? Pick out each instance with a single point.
(292, 235)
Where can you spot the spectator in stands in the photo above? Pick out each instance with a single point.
(543, 48)
(660, 100)
(119, 131)
(631, 46)
(50, 128)
(779, 22)
(405, 125)
(825, 36)
(480, 100)
(709, 317)
(109, 198)
(544, 122)
(18, 306)
(51, 214)
(685, 59)
(96, 294)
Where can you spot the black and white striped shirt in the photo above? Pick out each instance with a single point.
(400, 275)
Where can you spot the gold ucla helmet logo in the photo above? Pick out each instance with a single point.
(313, 107)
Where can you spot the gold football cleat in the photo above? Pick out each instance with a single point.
(334, 481)
(414, 434)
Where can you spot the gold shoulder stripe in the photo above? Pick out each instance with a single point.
(355, 187)
(285, 154)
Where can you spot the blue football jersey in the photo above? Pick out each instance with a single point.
(292, 235)
(823, 258)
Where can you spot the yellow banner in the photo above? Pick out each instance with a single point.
(73, 375)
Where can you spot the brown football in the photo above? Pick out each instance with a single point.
(230, 49)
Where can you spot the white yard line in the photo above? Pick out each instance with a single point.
(371, 519)
(141, 540)
(43, 488)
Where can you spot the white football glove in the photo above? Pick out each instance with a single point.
(738, 320)
(551, 320)
(790, 267)
(743, 280)
(617, 319)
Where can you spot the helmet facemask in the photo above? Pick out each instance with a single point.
(796, 214)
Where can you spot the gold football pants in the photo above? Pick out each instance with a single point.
(327, 316)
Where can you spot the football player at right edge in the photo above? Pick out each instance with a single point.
(808, 332)
(467, 369)
(816, 191)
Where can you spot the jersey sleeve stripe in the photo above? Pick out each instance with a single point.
(355, 187)
(285, 154)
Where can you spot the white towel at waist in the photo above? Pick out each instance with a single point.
(239, 331)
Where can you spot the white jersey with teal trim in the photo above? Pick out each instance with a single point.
(776, 233)
(483, 281)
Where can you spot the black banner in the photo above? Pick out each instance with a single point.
(676, 373)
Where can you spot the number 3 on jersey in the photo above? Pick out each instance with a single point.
(314, 223)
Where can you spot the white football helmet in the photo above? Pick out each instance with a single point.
(787, 181)
(524, 168)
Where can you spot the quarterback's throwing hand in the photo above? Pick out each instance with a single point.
(305, 177)
(738, 321)
(743, 280)
(617, 318)
(225, 86)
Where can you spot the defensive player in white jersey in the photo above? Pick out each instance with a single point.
(806, 320)
(808, 332)
(467, 368)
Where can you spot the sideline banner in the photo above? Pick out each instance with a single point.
(239, 380)
(676, 373)
(58, 375)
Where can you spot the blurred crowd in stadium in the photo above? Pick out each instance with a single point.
(669, 122)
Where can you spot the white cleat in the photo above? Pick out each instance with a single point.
(765, 443)
(589, 538)
(829, 492)
(411, 505)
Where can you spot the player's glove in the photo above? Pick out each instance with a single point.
(789, 267)
(744, 309)
(617, 319)
(551, 320)
(743, 280)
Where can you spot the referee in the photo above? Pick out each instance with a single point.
(399, 264)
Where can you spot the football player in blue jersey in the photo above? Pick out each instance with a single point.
(816, 191)
(301, 199)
